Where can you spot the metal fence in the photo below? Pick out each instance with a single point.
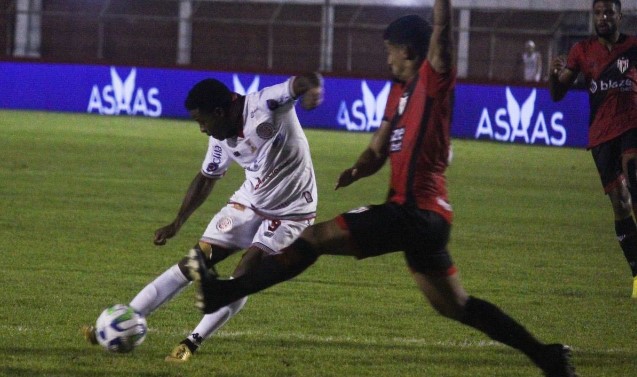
(272, 36)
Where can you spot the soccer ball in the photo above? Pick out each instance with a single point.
(120, 328)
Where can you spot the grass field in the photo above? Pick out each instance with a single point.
(80, 198)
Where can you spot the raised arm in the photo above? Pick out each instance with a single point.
(310, 87)
(440, 54)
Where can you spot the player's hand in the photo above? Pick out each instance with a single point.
(347, 177)
(312, 98)
(558, 64)
(164, 233)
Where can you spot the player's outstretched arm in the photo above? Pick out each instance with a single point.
(197, 193)
(371, 160)
(440, 54)
(310, 87)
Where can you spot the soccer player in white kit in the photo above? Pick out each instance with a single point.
(261, 132)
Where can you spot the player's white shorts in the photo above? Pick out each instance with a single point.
(238, 227)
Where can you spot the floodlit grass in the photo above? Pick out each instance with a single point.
(81, 195)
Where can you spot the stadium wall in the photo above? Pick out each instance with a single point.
(501, 113)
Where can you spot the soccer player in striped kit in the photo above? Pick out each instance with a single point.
(608, 61)
(416, 218)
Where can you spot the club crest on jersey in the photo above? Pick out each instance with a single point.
(622, 64)
(224, 224)
(265, 130)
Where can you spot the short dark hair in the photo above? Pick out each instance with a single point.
(207, 95)
(412, 31)
(616, 2)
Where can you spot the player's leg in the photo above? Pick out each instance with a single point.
(446, 294)
(163, 288)
(272, 269)
(271, 235)
(233, 228)
(361, 233)
(614, 171)
(629, 228)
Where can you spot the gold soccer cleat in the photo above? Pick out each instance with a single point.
(180, 354)
(88, 332)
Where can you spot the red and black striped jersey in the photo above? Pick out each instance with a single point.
(611, 77)
(420, 116)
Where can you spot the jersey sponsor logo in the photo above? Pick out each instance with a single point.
(122, 97)
(606, 85)
(266, 130)
(364, 114)
(396, 140)
(224, 224)
(515, 123)
(622, 64)
(216, 160)
(308, 196)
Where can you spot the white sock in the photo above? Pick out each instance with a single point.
(214, 321)
(160, 290)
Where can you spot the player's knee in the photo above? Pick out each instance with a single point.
(299, 256)
(620, 198)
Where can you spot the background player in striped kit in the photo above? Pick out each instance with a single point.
(608, 62)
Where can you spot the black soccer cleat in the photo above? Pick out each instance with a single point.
(205, 280)
(555, 361)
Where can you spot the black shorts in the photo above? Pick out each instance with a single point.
(422, 235)
(608, 157)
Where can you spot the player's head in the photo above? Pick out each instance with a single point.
(208, 103)
(607, 15)
(208, 94)
(408, 38)
(529, 46)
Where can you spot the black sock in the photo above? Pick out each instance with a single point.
(272, 269)
(626, 231)
(492, 321)
(191, 346)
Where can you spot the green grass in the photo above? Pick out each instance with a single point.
(81, 195)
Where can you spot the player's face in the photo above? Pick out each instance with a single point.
(606, 17)
(212, 124)
(397, 61)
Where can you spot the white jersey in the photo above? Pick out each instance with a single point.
(275, 154)
(532, 66)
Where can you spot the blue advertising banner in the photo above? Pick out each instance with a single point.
(485, 112)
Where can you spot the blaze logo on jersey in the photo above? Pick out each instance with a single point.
(519, 124)
(121, 97)
(396, 140)
(373, 106)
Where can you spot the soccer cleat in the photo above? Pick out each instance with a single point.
(204, 280)
(634, 295)
(555, 361)
(180, 354)
(88, 332)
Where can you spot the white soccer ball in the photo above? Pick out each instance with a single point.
(120, 328)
